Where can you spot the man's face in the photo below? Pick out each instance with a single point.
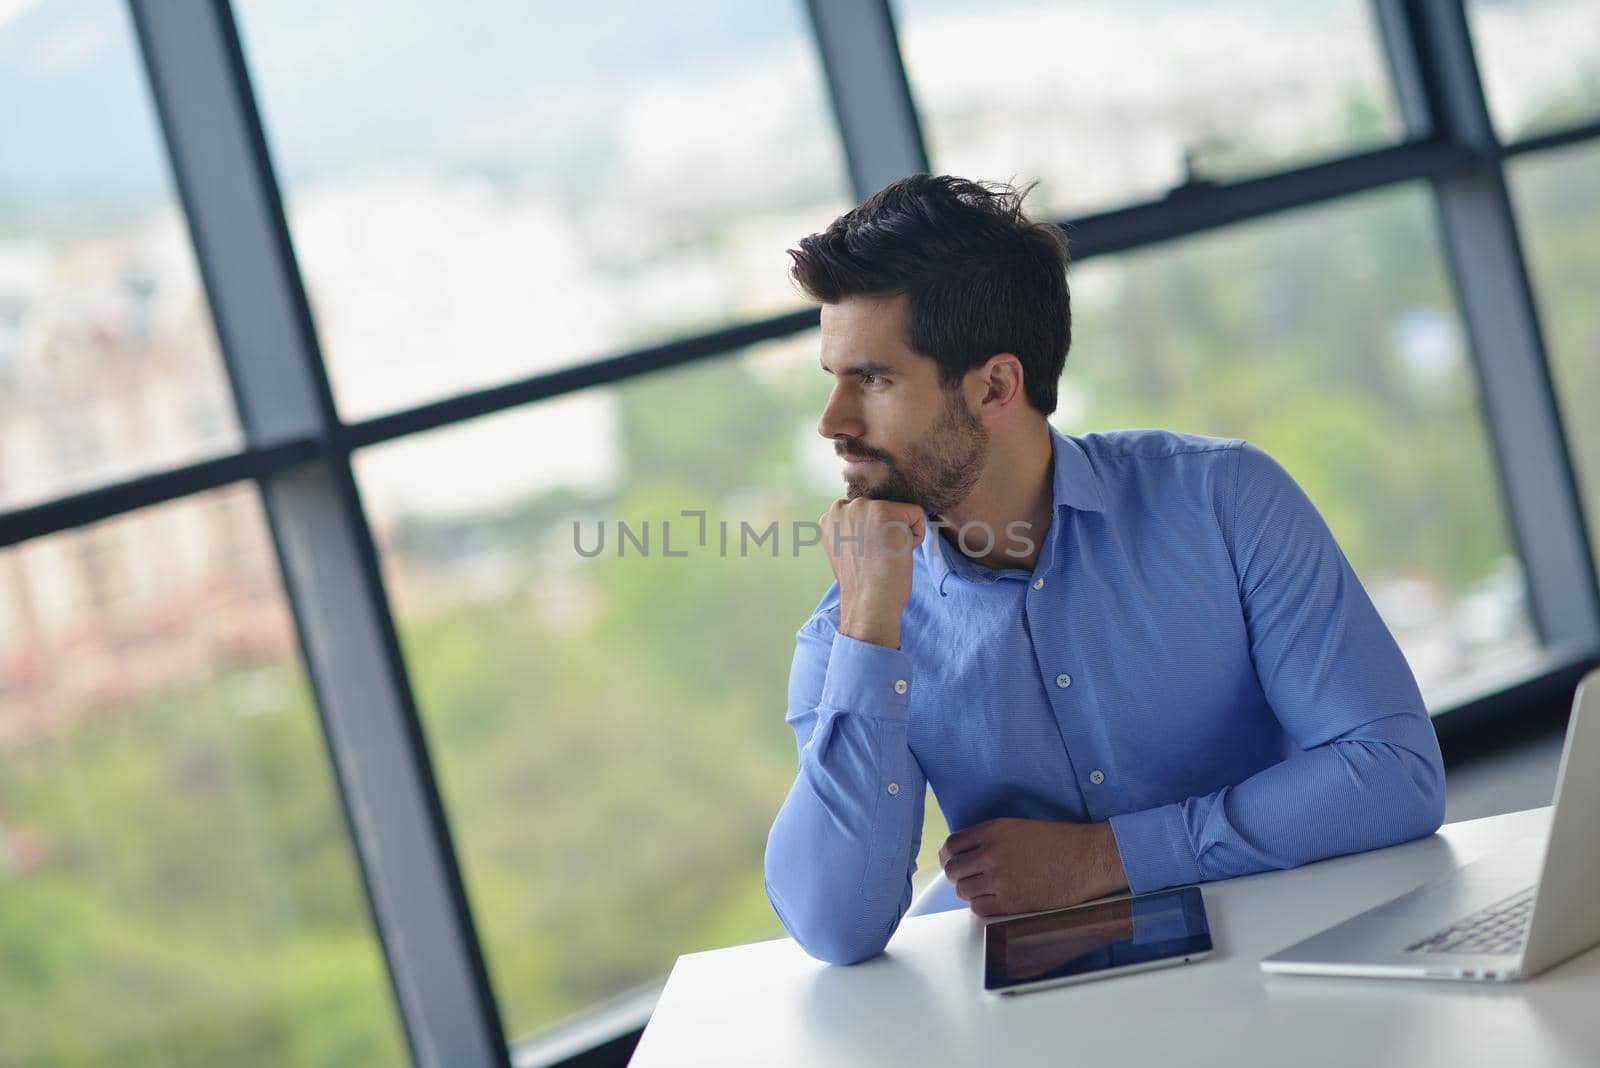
(902, 436)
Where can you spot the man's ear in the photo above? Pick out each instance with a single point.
(1001, 378)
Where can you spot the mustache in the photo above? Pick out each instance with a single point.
(860, 448)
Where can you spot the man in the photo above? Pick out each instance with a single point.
(1123, 661)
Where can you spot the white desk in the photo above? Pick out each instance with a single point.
(921, 1003)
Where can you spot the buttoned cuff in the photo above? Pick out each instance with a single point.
(1155, 849)
(867, 678)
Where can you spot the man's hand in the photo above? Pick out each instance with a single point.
(1007, 865)
(870, 545)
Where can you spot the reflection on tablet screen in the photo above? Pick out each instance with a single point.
(1095, 937)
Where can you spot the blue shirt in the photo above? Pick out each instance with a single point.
(1191, 658)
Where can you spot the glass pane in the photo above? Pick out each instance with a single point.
(1102, 100)
(1558, 210)
(477, 195)
(1329, 338)
(176, 885)
(108, 361)
(609, 731)
(1540, 63)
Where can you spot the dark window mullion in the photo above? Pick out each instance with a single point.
(331, 575)
(1495, 298)
(871, 94)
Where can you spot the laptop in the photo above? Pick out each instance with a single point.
(1509, 916)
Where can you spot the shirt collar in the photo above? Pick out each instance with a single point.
(1074, 484)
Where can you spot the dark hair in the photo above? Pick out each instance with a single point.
(979, 276)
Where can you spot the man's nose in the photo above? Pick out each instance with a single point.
(839, 419)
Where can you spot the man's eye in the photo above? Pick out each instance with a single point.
(869, 380)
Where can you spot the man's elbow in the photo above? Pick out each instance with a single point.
(1433, 803)
(1423, 771)
(826, 934)
(831, 947)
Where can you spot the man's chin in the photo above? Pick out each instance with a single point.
(887, 489)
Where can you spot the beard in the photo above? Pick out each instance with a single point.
(936, 472)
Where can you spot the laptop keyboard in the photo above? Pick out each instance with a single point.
(1500, 928)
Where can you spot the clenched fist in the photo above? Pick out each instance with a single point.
(870, 545)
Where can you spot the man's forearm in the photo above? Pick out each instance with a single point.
(1379, 785)
(838, 858)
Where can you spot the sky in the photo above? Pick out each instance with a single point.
(96, 139)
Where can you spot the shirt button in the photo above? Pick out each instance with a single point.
(1038, 584)
(899, 685)
(1063, 681)
(894, 787)
(1097, 776)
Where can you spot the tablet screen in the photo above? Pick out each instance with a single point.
(1092, 938)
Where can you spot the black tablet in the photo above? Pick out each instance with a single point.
(1095, 941)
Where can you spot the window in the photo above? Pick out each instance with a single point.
(1540, 63)
(479, 195)
(1105, 102)
(1559, 211)
(1327, 337)
(608, 716)
(108, 360)
(176, 885)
